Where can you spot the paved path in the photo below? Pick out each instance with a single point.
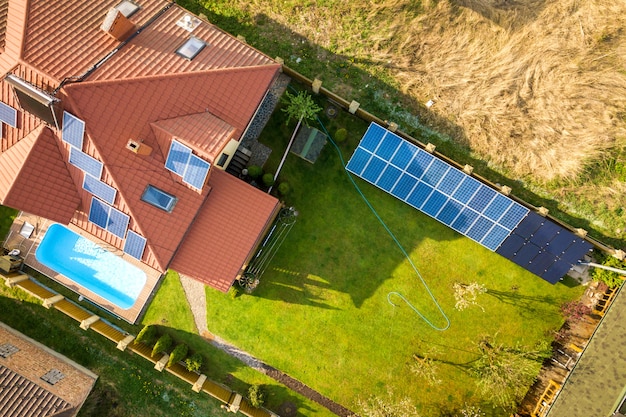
(196, 297)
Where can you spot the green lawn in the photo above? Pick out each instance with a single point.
(321, 312)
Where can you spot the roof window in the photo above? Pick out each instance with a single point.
(191, 48)
(159, 198)
(127, 8)
(33, 100)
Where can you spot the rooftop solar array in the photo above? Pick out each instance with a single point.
(181, 161)
(73, 130)
(435, 187)
(8, 115)
(134, 245)
(99, 189)
(85, 162)
(108, 218)
(466, 205)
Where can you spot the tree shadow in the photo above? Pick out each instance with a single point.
(528, 305)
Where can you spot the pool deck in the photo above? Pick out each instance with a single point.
(28, 246)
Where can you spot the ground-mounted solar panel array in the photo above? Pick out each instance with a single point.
(463, 203)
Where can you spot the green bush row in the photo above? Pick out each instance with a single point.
(149, 335)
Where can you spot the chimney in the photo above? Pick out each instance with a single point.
(139, 148)
(117, 25)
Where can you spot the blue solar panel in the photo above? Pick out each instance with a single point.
(359, 159)
(99, 189)
(85, 162)
(435, 172)
(374, 169)
(482, 198)
(134, 245)
(419, 195)
(388, 146)
(196, 172)
(405, 153)
(404, 186)
(108, 218)
(435, 187)
(99, 213)
(177, 158)
(449, 212)
(389, 178)
(73, 130)
(372, 137)
(8, 114)
(466, 190)
(419, 164)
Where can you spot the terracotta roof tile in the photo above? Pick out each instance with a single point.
(15, 28)
(64, 38)
(43, 186)
(203, 132)
(226, 232)
(153, 51)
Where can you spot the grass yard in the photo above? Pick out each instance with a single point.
(321, 312)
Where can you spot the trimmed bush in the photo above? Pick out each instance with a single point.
(234, 292)
(268, 179)
(162, 345)
(341, 135)
(178, 354)
(610, 278)
(254, 171)
(256, 395)
(147, 335)
(194, 362)
(284, 188)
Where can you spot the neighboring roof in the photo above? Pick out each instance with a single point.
(226, 231)
(25, 393)
(34, 178)
(153, 51)
(598, 381)
(64, 38)
(203, 132)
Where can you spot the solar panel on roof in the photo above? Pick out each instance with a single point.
(196, 172)
(108, 217)
(85, 162)
(99, 189)
(177, 158)
(134, 245)
(8, 115)
(73, 130)
(435, 187)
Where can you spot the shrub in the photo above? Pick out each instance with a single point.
(147, 335)
(341, 135)
(162, 345)
(194, 362)
(254, 171)
(284, 188)
(234, 292)
(178, 354)
(268, 179)
(610, 278)
(256, 395)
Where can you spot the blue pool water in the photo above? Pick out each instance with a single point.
(90, 266)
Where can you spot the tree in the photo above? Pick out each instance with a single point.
(379, 407)
(194, 362)
(610, 278)
(147, 335)
(466, 294)
(302, 108)
(256, 395)
(162, 345)
(425, 368)
(178, 354)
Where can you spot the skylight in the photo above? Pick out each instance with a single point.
(192, 168)
(73, 130)
(159, 198)
(108, 218)
(127, 8)
(191, 48)
(8, 114)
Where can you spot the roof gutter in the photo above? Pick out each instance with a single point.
(79, 78)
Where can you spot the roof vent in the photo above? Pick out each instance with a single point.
(117, 25)
(139, 148)
(188, 22)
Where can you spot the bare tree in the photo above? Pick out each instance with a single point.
(466, 294)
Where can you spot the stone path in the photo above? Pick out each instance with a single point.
(196, 297)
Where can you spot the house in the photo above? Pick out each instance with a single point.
(37, 381)
(120, 117)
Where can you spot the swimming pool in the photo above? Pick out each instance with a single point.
(90, 266)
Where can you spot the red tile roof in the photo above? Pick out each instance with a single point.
(225, 234)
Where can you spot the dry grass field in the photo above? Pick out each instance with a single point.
(535, 87)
